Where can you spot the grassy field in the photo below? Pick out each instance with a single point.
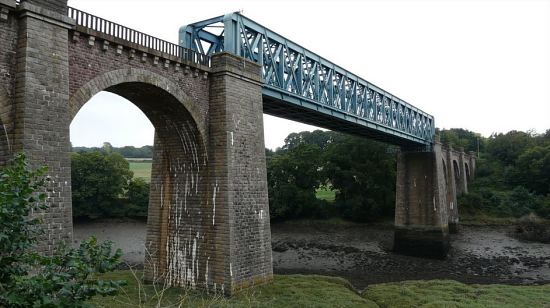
(141, 169)
(286, 291)
(321, 291)
(448, 293)
(324, 193)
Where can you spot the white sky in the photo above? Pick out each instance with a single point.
(479, 65)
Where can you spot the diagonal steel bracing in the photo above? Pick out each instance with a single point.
(303, 86)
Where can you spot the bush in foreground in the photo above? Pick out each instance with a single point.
(28, 279)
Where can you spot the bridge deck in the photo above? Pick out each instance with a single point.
(303, 86)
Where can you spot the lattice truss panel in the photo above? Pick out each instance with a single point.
(299, 73)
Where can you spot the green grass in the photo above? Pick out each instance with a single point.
(285, 291)
(323, 193)
(321, 291)
(448, 293)
(141, 169)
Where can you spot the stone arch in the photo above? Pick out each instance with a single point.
(179, 174)
(457, 172)
(467, 171)
(5, 145)
(109, 81)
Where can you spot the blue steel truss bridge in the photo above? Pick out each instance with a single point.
(303, 86)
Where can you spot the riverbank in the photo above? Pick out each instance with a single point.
(362, 254)
(321, 291)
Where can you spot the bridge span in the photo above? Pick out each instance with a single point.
(208, 216)
(300, 85)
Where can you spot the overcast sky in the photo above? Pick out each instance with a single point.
(479, 65)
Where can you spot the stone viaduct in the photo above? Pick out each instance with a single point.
(208, 220)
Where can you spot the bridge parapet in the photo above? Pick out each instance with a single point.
(123, 36)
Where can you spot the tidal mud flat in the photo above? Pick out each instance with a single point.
(362, 253)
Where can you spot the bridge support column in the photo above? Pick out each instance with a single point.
(472, 164)
(463, 183)
(421, 216)
(238, 176)
(452, 207)
(42, 111)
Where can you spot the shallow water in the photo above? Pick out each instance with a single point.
(362, 253)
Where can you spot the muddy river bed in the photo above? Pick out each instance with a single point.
(362, 253)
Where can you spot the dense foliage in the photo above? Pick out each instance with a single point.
(360, 171)
(512, 176)
(102, 186)
(28, 279)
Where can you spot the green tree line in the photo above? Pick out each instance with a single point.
(512, 177)
(145, 151)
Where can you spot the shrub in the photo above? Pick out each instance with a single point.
(28, 279)
(138, 198)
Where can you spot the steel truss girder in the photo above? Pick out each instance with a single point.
(307, 77)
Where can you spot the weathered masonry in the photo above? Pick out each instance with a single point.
(208, 221)
(426, 209)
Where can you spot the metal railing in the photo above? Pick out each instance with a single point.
(133, 36)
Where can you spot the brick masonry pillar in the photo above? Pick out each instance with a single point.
(463, 179)
(41, 111)
(452, 205)
(421, 216)
(8, 40)
(472, 164)
(238, 174)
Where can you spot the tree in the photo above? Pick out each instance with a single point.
(98, 180)
(507, 147)
(459, 137)
(363, 175)
(293, 176)
(138, 198)
(31, 280)
(533, 169)
(107, 147)
(318, 137)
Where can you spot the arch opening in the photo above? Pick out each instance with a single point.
(456, 171)
(178, 173)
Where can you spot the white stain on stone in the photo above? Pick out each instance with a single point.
(7, 139)
(231, 138)
(206, 273)
(216, 188)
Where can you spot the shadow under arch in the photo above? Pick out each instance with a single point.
(179, 173)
